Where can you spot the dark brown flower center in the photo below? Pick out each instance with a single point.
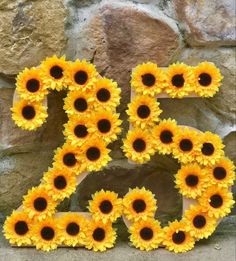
(40, 204)
(104, 125)
(216, 201)
(148, 79)
(60, 182)
(93, 153)
(32, 85)
(186, 145)
(73, 229)
(146, 233)
(207, 149)
(204, 79)
(219, 173)
(166, 136)
(81, 77)
(69, 159)
(178, 237)
(103, 95)
(99, 234)
(199, 221)
(139, 205)
(191, 180)
(47, 233)
(21, 228)
(178, 80)
(28, 112)
(81, 104)
(106, 206)
(56, 72)
(80, 131)
(143, 111)
(139, 145)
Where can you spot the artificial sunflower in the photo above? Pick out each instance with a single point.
(30, 86)
(146, 234)
(139, 204)
(138, 145)
(106, 125)
(177, 238)
(77, 130)
(95, 155)
(211, 148)
(106, 94)
(72, 229)
(54, 72)
(163, 135)
(46, 235)
(105, 206)
(60, 183)
(207, 79)
(191, 180)
(78, 103)
(18, 228)
(38, 204)
(99, 236)
(144, 111)
(28, 115)
(198, 223)
(148, 78)
(218, 201)
(186, 145)
(222, 173)
(179, 80)
(82, 75)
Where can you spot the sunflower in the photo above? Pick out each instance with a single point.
(211, 148)
(82, 75)
(18, 228)
(38, 204)
(191, 180)
(218, 201)
(207, 79)
(138, 145)
(72, 229)
(148, 78)
(28, 115)
(146, 234)
(144, 111)
(106, 125)
(179, 80)
(163, 135)
(177, 238)
(99, 236)
(46, 235)
(105, 206)
(30, 86)
(222, 173)
(139, 204)
(60, 183)
(106, 94)
(198, 223)
(77, 130)
(186, 145)
(78, 103)
(54, 72)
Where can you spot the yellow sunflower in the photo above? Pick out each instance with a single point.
(179, 80)
(218, 201)
(146, 234)
(198, 223)
(191, 180)
(54, 72)
(222, 173)
(138, 146)
(72, 229)
(100, 236)
(105, 206)
(77, 130)
(95, 155)
(38, 204)
(176, 237)
(106, 125)
(148, 78)
(28, 115)
(46, 235)
(82, 75)
(139, 204)
(60, 183)
(144, 111)
(30, 86)
(211, 148)
(186, 145)
(78, 103)
(106, 94)
(163, 135)
(207, 79)
(18, 228)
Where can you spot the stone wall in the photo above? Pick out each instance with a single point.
(116, 36)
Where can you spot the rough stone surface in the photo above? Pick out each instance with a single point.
(30, 31)
(208, 22)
